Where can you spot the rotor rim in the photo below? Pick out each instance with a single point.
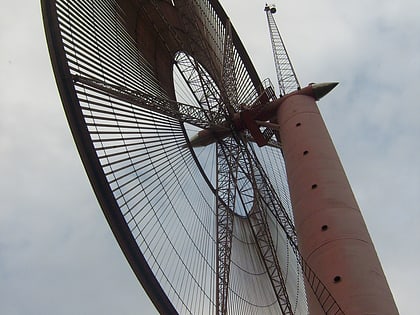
(70, 92)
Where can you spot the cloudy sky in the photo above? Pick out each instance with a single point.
(57, 254)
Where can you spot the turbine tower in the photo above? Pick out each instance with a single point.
(332, 235)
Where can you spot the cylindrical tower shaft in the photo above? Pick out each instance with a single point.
(332, 234)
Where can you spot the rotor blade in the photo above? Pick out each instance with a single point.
(226, 187)
(201, 85)
(183, 112)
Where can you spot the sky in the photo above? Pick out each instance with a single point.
(57, 253)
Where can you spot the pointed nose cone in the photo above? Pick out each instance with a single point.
(321, 89)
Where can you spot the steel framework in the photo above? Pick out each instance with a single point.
(286, 76)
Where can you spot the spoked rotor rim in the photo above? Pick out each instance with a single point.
(88, 110)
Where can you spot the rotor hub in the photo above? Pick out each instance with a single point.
(252, 118)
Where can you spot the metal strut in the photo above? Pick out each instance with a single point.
(185, 113)
(286, 75)
(227, 168)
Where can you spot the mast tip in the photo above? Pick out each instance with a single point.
(271, 8)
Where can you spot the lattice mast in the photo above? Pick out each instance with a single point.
(286, 75)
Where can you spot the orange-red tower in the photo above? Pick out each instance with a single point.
(332, 234)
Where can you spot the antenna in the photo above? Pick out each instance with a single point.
(286, 75)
